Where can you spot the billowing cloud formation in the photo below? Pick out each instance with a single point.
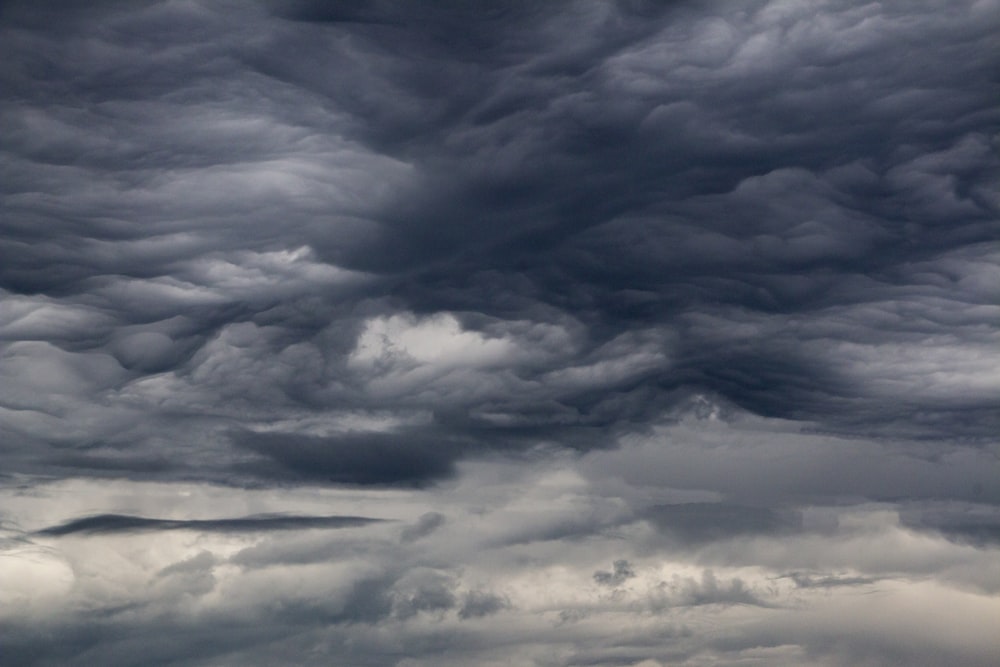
(681, 313)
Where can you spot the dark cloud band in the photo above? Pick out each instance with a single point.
(118, 523)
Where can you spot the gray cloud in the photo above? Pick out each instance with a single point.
(654, 174)
(358, 459)
(115, 523)
(805, 580)
(697, 522)
(425, 525)
(708, 590)
(963, 522)
(476, 604)
(729, 267)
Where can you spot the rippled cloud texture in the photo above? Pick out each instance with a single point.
(521, 333)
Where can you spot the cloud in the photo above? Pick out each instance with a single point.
(622, 572)
(651, 212)
(706, 289)
(966, 523)
(476, 604)
(374, 458)
(425, 525)
(706, 591)
(115, 523)
(696, 522)
(473, 578)
(804, 580)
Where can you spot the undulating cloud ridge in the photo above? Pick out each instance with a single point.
(563, 333)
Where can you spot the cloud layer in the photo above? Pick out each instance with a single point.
(655, 333)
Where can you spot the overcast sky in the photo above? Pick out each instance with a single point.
(476, 333)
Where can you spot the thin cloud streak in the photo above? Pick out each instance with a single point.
(118, 523)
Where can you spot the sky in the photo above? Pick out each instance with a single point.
(543, 334)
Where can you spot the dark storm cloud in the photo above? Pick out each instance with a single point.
(776, 197)
(115, 523)
(731, 260)
(355, 459)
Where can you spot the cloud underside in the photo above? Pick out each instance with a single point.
(561, 314)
